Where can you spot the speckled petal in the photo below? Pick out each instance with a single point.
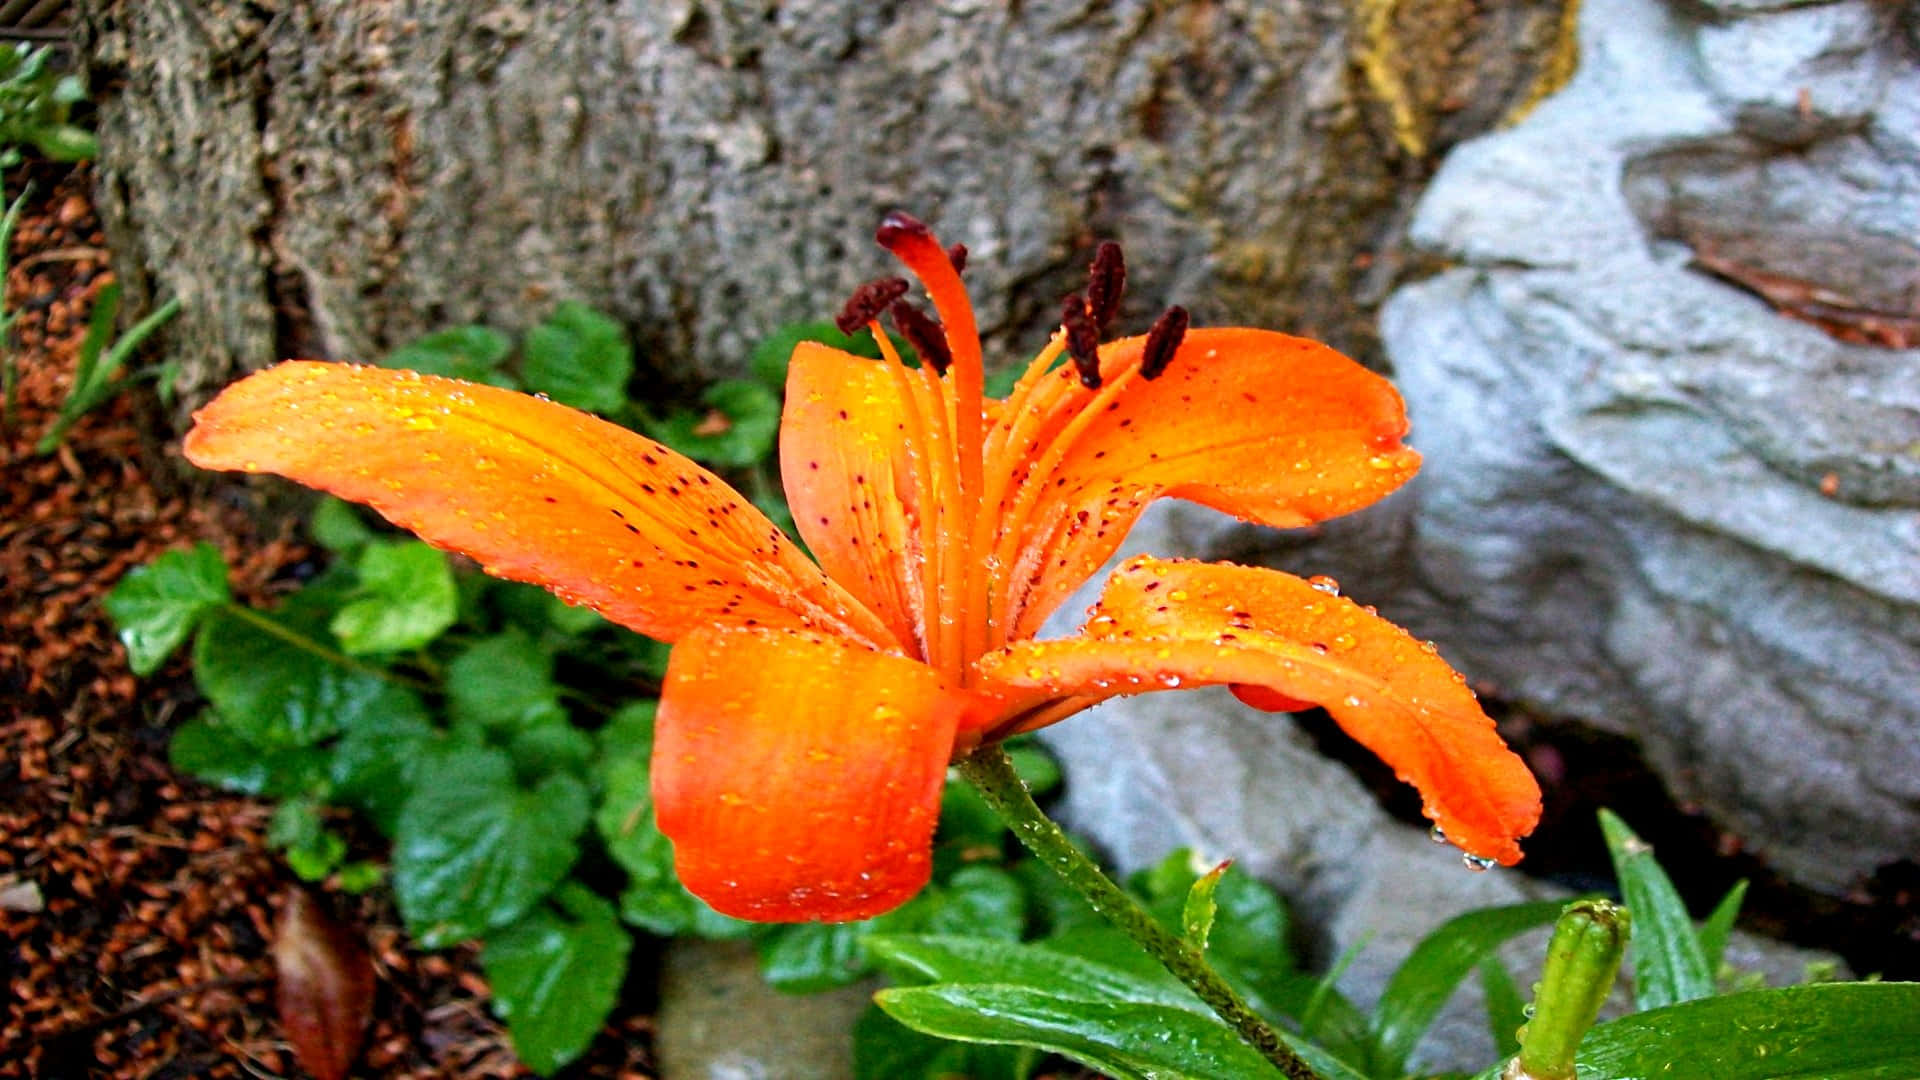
(798, 776)
(533, 490)
(1161, 625)
(1273, 429)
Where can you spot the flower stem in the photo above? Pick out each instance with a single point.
(990, 771)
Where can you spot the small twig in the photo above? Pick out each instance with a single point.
(65, 254)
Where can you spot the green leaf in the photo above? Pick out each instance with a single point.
(735, 430)
(312, 850)
(157, 605)
(210, 750)
(931, 958)
(1248, 945)
(885, 1049)
(474, 850)
(360, 877)
(1669, 964)
(271, 684)
(1196, 917)
(578, 357)
(373, 766)
(980, 900)
(654, 899)
(504, 682)
(405, 600)
(1429, 976)
(1719, 925)
(556, 974)
(1122, 1039)
(548, 749)
(336, 525)
(1506, 1008)
(468, 352)
(1832, 1031)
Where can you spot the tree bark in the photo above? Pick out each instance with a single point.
(335, 178)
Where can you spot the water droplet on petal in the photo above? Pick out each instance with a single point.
(1437, 835)
(1479, 864)
(1325, 584)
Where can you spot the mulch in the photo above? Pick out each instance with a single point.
(137, 906)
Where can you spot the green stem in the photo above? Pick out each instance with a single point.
(332, 656)
(989, 770)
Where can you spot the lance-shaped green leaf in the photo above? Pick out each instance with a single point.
(1196, 915)
(1506, 1008)
(157, 605)
(1719, 925)
(1431, 973)
(1669, 964)
(1831, 1031)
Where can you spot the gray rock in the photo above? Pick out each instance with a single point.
(719, 1020)
(1651, 501)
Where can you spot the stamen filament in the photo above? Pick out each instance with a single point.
(925, 465)
(1005, 444)
(1014, 525)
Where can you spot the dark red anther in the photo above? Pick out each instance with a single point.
(897, 227)
(867, 302)
(1163, 341)
(1105, 282)
(957, 255)
(1083, 340)
(925, 335)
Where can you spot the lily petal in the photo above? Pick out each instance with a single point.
(844, 459)
(1273, 429)
(533, 490)
(1162, 623)
(799, 776)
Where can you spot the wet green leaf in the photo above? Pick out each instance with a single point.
(468, 352)
(578, 357)
(1430, 974)
(555, 974)
(474, 850)
(1719, 925)
(1669, 964)
(405, 599)
(273, 691)
(503, 683)
(1506, 1007)
(885, 1049)
(1832, 1031)
(337, 526)
(210, 750)
(156, 606)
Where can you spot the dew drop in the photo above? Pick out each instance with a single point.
(1437, 835)
(1324, 584)
(1353, 701)
(1479, 864)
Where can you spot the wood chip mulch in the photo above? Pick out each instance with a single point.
(137, 906)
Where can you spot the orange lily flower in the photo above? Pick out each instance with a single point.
(810, 710)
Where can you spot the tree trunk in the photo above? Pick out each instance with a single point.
(335, 178)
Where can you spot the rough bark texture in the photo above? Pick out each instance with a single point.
(336, 178)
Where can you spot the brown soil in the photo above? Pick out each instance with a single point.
(156, 896)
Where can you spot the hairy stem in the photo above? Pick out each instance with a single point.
(990, 771)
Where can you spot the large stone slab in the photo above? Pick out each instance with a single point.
(1651, 501)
